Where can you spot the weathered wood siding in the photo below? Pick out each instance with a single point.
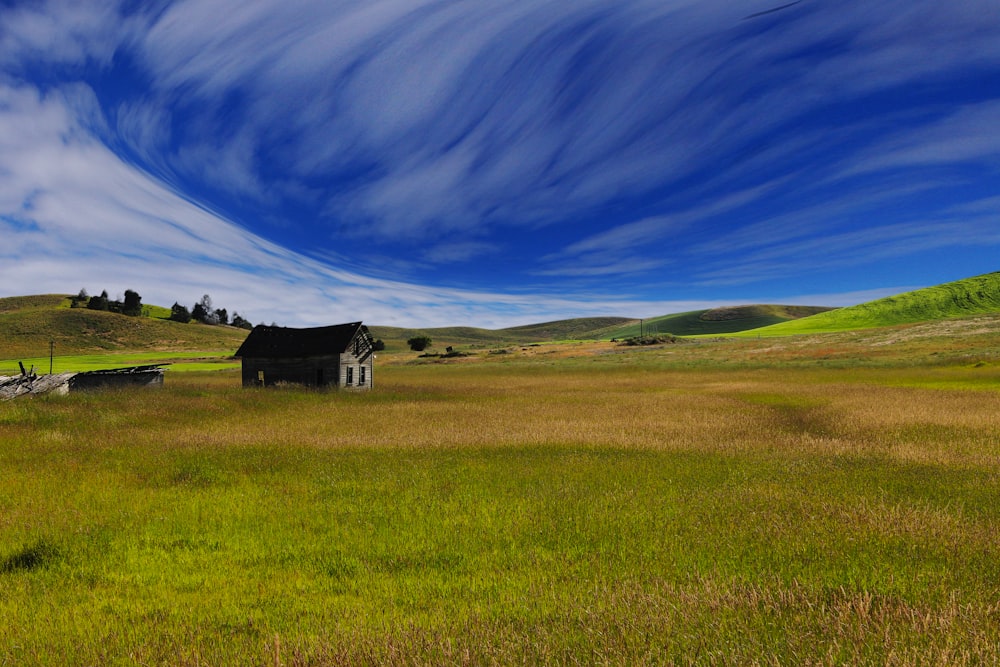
(108, 380)
(310, 371)
(337, 356)
(356, 365)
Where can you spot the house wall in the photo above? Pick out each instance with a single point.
(357, 360)
(310, 371)
(103, 380)
(350, 369)
(336, 370)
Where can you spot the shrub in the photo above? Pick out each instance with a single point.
(650, 340)
(133, 304)
(419, 343)
(179, 313)
(98, 302)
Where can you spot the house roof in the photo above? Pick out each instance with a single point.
(286, 342)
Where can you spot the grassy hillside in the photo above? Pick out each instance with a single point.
(962, 298)
(697, 322)
(579, 328)
(28, 323)
(716, 320)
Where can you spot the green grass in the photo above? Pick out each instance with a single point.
(731, 503)
(186, 361)
(158, 312)
(29, 324)
(573, 329)
(819, 499)
(962, 298)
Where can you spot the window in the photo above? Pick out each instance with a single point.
(350, 375)
(361, 375)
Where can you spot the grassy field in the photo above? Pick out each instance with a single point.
(828, 499)
(188, 361)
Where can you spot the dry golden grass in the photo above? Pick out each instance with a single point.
(584, 506)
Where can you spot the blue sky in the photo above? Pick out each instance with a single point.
(497, 162)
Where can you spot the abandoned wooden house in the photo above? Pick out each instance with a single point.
(336, 356)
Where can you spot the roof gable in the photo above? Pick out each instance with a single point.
(286, 342)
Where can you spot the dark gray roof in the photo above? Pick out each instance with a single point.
(286, 342)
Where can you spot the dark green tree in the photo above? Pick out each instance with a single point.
(133, 304)
(202, 311)
(179, 313)
(240, 323)
(419, 343)
(99, 302)
(378, 345)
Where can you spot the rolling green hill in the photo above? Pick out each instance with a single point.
(579, 328)
(29, 323)
(962, 298)
(715, 321)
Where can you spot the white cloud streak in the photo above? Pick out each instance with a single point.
(500, 113)
(73, 215)
(452, 123)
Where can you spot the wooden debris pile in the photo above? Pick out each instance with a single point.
(29, 383)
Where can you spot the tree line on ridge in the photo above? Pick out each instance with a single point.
(131, 305)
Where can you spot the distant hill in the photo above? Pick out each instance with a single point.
(28, 323)
(584, 327)
(716, 320)
(961, 298)
(578, 328)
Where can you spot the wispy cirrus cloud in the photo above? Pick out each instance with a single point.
(577, 144)
(88, 219)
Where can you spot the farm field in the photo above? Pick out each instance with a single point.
(827, 499)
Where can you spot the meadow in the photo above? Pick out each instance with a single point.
(735, 502)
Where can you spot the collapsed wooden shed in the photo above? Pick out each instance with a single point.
(31, 384)
(136, 376)
(341, 355)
